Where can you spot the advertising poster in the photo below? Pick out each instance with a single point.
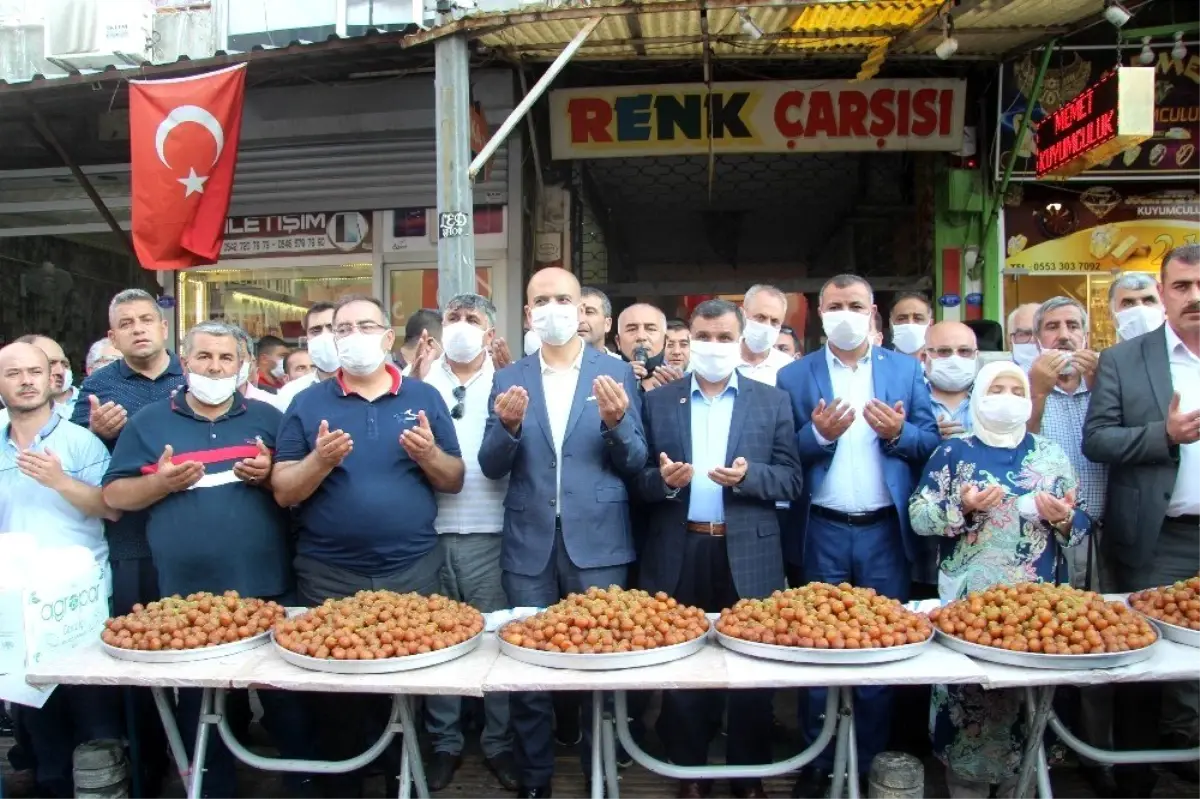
(1169, 154)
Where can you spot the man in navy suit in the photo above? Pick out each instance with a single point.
(864, 428)
(562, 428)
(722, 451)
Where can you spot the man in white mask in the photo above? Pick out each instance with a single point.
(1021, 340)
(362, 457)
(722, 450)
(910, 317)
(951, 358)
(1135, 305)
(318, 328)
(245, 384)
(765, 308)
(469, 528)
(200, 464)
(868, 427)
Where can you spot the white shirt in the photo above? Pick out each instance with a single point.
(292, 388)
(855, 482)
(559, 386)
(1185, 378)
(274, 400)
(766, 370)
(479, 508)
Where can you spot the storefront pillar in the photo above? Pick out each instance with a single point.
(452, 106)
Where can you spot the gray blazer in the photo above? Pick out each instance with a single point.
(762, 432)
(1127, 429)
(596, 461)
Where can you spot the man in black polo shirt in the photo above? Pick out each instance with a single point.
(108, 398)
(360, 457)
(199, 464)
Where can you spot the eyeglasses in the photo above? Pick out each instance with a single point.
(460, 395)
(366, 328)
(1021, 336)
(946, 352)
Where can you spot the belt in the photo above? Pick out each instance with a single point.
(1189, 519)
(716, 529)
(854, 519)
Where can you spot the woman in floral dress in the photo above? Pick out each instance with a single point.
(1002, 501)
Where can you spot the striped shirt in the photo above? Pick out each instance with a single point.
(1062, 423)
(479, 508)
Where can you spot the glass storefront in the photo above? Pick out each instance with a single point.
(266, 300)
(1090, 288)
(414, 289)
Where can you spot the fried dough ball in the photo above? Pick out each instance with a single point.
(824, 616)
(1046, 619)
(197, 621)
(373, 625)
(1177, 604)
(606, 620)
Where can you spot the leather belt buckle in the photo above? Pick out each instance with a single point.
(707, 528)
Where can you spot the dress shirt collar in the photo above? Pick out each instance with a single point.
(576, 365)
(42, 435)
(486, 369)
(1176, 347)
(836, 362)
(174, 367)
(730, 388)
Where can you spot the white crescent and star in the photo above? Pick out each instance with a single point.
(193, 183)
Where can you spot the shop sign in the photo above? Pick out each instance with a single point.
(322, 233)
(1125, 227)
(758, 117)
(1173, 102)
(1106, 118)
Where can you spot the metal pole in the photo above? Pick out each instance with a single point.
(455, 199)
(1035, 96)
(532, 96)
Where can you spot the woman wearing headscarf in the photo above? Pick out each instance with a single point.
(1002, 502)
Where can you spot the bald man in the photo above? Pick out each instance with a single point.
(50, 473)
(1021, 338)
(951, 359)
(641, 338)
(564, 425)
(62, 393)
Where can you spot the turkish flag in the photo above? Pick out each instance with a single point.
(183, 137)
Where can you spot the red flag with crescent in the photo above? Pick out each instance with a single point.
(183, 137)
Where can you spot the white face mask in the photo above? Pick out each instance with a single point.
(1140, 319)
(462, 342)
(759, 337)
(68, 379)
(909, 339)
(954, 373)
(324, 353)
(211, 390)
(1025, 354)
(556, 323)
(243, 375)
(277, 369)
(1069, 366)
(361, 354)
(1003, 413)
(715, 360)
(533, 342)
(845, 330)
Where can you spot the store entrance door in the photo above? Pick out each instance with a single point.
(413, 286)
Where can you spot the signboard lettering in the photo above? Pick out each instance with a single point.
(297, 234)
(760, 117)
(1088, 128)
(452, 224)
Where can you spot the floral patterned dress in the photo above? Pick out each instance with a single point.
(979, 734)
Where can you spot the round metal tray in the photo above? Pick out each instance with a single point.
(607, 661)
(381, 666)
(829, 657)
(1036, 660)
(187, 655)
(1173, 632)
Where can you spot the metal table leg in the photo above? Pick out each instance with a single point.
(598, 764)
(609, 747)
(852, 786)
(1122, 758)
(207, 717)
(412, 747)
(1038, 710)
(174, 740)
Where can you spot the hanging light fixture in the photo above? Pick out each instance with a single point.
(749, 26)
(1179, 51)
(1146, 57)
(1116, 14)
(948, 45)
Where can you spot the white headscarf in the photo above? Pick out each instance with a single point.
(999, 430)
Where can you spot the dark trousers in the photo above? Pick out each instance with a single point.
(73, 714)
(135, 581)
(868, 556)
(1144, 711)
(691, 719)
(531, 712)
(345, 725)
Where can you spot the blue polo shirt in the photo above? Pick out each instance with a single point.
(221, 533)
(132, 391)
(373, 514)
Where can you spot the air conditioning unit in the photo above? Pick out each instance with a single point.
(96, 34)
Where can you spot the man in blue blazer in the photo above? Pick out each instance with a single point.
(864, 429)
(562, 428)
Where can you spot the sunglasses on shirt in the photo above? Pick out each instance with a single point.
(460, 394)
